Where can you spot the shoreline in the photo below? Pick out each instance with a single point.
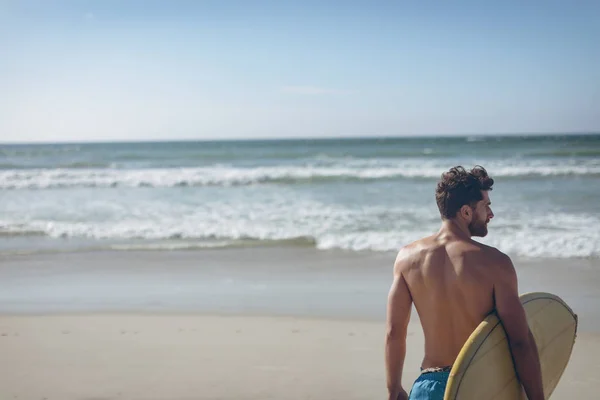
(280, 281)
(32, 246)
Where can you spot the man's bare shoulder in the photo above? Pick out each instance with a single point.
(495, 256)
(498, 262)
(488, 253)
(411, 254)
(503, 265)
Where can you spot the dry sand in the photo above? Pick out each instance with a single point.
(160, 356)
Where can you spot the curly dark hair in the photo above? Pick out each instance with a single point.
(459, 187)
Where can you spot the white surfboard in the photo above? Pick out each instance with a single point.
(484, 368)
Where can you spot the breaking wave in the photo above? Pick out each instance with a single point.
(558, 235)
(354, 170)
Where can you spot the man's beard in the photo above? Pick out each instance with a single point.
(478, 228)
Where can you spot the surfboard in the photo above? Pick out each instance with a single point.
(484, 367)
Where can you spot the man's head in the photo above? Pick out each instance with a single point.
(462, 194)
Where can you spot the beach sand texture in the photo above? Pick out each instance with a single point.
(261, 344)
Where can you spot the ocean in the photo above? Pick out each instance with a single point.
(351, 194)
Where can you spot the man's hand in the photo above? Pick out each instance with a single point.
(402, 395)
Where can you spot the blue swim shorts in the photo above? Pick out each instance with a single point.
(430, 386)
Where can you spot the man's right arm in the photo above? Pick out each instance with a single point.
(521, 341)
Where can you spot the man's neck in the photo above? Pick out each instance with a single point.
(455, 228)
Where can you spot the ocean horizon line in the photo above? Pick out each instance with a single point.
(259, 139)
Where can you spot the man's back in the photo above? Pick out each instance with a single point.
(451, 282)
(454, 282)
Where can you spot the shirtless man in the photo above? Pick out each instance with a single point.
(454, 283)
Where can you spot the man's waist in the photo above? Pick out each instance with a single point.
(436, 369)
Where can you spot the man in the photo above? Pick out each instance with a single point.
(454, 283)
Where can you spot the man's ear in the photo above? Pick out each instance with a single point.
(466, 212)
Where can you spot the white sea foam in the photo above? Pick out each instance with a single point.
(355, 195)
(231, 176)
(558, 235)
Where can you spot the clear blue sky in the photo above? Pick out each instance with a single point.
(143, 70)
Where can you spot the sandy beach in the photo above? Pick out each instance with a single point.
(216, 357)
(285, 323)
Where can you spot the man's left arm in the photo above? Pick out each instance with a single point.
(398, 315)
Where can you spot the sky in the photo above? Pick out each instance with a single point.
(159, 70)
